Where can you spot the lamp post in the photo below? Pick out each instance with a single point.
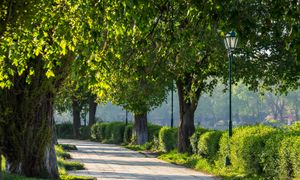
(172, 106)
(230, 42)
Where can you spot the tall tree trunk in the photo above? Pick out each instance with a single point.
(140, 128)
(186, 126)
(92, 110)
(28, 144)
(1, 164)
(76, 117)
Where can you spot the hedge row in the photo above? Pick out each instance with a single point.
(160, 138)
(262, 150)
(65, 131)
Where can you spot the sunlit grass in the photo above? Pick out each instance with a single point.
(202, 164)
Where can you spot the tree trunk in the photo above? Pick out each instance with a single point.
(28, 144)
(140, 128)
(186, 126)
(1, 164)
(92, 110)
(76, 117)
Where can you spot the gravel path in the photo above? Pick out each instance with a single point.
(108, 161)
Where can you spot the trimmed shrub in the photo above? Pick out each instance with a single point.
(116, 132)
(127, 134)
(95, 134)
(208, 144)
(270, 157)
(167, 138)
(294, 127)
(107, 129)
(277, 154)
(194, 139)
(64, 131)
(153, 131)
(246, 146)
(289, 158)
(102, 131)
(85, 132)
(223, 150)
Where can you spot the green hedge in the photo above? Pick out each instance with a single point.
(289, 158)
(246, 147)
(153, 131)
(261, 150)
(85, 133)
(208, 145)
(117, 132)
(294, 127)
(167, 138)
(108, 132)
(127, 134)
(194, 139)
(64, 131)
(95, 134)
(280, 155)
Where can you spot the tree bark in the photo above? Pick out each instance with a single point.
(186, 126)
(0, 164)
(140, 128)
(76, 117)
(92, 110)
(28, 137)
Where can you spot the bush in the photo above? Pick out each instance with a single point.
(294, 127)
(95, 132)
(277, 154)
(246, 147)
(127, 134)
(101, 132)
(167, 138)
(108, 132)
(289, 158)
(208, 144)
(85, 132)
(153, 131)
(116, 135)
(223, 150)
(194, 139)
(64, 131)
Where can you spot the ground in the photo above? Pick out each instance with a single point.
(108, 161)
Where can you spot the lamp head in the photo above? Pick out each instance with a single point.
(230, 41)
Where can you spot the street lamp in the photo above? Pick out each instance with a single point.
(230, 42)
(172, 106)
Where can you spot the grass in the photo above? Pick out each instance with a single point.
(145, 147)
(60, 152)
(198, 163)
(69, 165)
(68, 147)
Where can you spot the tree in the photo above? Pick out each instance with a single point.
(38, 40)
(186, 35)
(135, 86)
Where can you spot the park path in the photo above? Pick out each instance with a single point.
(108, 161)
